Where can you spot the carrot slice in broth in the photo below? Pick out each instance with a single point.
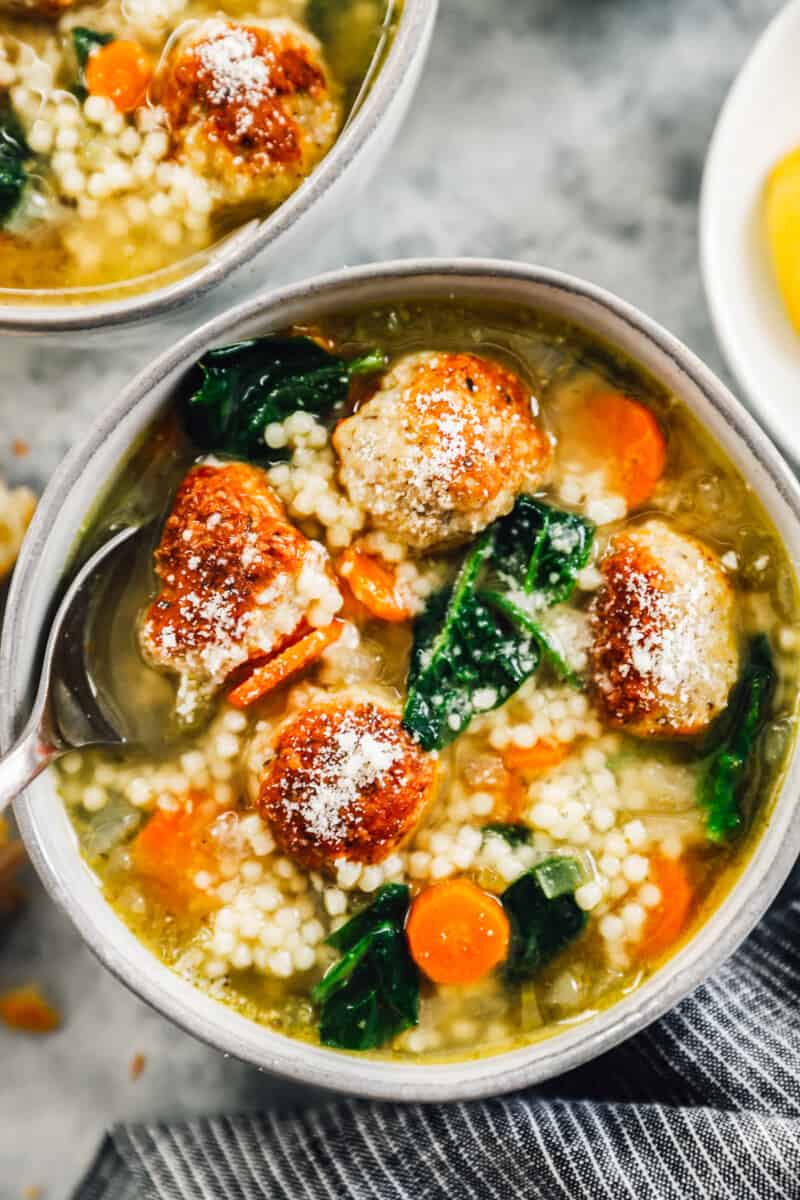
(280, 668)
(121, 72)
(374, 584)
(547, 752)
(667, 921)
(631, 440)
(457, 932)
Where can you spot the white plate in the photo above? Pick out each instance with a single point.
(759, 122)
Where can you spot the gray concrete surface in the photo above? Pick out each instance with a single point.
(565, 132)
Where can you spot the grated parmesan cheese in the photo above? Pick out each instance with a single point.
(354, 759)
(665, 651)
(238, 74)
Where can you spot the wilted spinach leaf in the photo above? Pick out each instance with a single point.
(522, 620)
(515, 835)
(540, 928)
(539, 550)
(390, 904)
(477, 641)
(14, 153)
(85, 41)
(372, 993)
(463, 647)
(247, 386)
(725, 773)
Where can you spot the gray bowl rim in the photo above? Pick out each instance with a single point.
(411, 38)
(722, 932)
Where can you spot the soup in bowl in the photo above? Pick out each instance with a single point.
(143, 144)
(465, 661)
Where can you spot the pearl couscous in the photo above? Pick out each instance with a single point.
(135, 134)
(473, 670)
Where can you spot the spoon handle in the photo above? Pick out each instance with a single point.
(26, 758)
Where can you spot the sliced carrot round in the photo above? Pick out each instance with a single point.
(457, 932)
(120, 71)
(667, 921)
(374, 584)
(547, 752)
(630, 438)
(276, 670)
(173, 848)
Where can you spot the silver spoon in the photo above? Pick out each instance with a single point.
(68, 712)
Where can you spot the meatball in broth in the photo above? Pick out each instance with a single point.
(665, 650)
(251, 107)
(237, 581)
(442, 448)
(346, 782)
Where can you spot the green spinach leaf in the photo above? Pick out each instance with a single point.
(725, 773)
(372, 993)
(465, 658)
(539, 550)
(390, 904)
(515, 835)
(540, 927)
(246, 386)
(477, 641)
(86, 41)
(545, 641)
(14, 153)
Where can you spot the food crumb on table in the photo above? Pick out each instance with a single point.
(137, 1066)
(26, 1009)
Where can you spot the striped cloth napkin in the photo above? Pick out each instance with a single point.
(704, 1105)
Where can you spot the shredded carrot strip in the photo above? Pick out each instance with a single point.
(282, 666)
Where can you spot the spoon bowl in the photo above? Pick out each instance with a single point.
(70, 710)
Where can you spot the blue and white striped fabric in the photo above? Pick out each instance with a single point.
(704, 1105)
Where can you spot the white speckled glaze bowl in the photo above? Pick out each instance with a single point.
(43, 821)
(267, 245)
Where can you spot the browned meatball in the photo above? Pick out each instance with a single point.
(347, 782)
(237, 580)
(251, 107)
(664, 653)
(442, 448)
